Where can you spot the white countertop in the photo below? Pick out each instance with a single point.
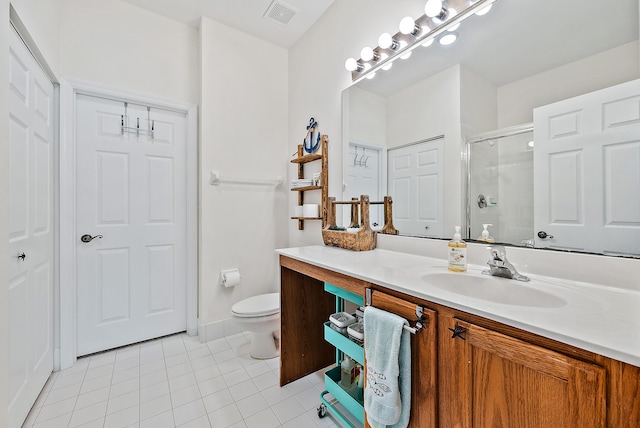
(600, 319)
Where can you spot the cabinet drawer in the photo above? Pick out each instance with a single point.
(348, 399)
(343, 343)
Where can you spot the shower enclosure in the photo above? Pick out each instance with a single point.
(500, 185)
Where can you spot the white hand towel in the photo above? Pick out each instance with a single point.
(387, 395)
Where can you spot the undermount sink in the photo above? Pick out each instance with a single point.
(494, 289)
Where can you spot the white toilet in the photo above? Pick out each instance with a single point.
(261, 316)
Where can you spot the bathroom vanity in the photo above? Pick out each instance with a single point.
(493, 352)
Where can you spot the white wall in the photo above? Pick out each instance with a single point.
(41, 17)
(243, 132)
(517, 100)
(122, 46)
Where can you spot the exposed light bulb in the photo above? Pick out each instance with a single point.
(450, 15)
(371, 76)
(351, 64)
(433, 8)
(385, 41)
(366, 53)
(448, 39)
(367, 67)
(387, 66)
(407, 25)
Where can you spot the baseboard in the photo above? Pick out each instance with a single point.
(218, 329)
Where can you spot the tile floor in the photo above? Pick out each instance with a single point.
(177, 381)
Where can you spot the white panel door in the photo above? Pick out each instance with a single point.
(31, 155)
(363, 178)
(415, 182)
(131, 191)
(587, 172)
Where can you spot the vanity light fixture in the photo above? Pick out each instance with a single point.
(441, 20)
(484, 10)
(435, 9)
(352, 65)
(403, 45)
(450, 15)
(448, 38)
(428, 42)
(386, 41)
(368, 54)
(387, 65)
(408, 26)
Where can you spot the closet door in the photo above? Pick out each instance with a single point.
(415, 180)
(31, 267)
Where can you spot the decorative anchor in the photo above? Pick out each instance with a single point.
(312, 129)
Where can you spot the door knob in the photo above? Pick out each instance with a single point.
(543, 235)
(22, 256)
(89, 238)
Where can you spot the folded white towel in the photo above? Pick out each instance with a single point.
(387, 395)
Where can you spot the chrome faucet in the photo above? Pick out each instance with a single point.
(500, 266)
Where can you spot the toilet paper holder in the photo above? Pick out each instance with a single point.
(229, 277)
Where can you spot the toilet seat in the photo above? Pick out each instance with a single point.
(257, 306)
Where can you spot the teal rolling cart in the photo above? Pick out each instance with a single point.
(348, 399)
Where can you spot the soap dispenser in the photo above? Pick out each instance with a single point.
(485, 234)
(457, 253)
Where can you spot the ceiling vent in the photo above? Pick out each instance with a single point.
(280, 12)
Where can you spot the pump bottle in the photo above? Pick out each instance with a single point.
(485, 234)
(457, 253)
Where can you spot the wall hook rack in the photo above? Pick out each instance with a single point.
(125, 128)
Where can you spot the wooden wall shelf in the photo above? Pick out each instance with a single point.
(324, 180)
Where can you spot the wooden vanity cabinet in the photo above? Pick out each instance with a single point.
(489, 375)
(489, 379)
(424, 404)
(304, 308)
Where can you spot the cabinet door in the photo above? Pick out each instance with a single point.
(488, 379)
(423, 359)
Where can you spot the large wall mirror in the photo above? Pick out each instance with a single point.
(453, 125)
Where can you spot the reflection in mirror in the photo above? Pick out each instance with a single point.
(500, 185)
(487, 81)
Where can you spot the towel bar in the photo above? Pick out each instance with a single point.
(419, 310)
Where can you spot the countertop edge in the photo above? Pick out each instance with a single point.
(616, 353)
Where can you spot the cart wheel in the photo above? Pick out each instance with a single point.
(322, 411)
